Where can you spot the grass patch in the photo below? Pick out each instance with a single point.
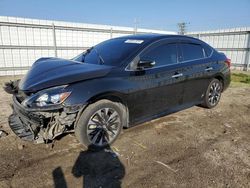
(240, 77)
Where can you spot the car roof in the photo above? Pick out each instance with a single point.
(154, 37)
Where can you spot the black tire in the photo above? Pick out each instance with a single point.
(96, 115)
(213, 94)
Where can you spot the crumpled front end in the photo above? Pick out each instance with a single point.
(37, 124)
(24, 124)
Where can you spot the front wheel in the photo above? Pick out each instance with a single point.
(213, 94)
(100, 124)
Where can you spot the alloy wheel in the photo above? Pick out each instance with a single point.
(214, 93)
(103, 126)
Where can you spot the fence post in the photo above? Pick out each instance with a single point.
(111, 32)
(247, 58)
(54, 39)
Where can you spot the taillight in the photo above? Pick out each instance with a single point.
(228, 62)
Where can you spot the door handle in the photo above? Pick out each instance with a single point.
(177, 75)
(209, 69)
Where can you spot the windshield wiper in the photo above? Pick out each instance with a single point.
(86, 52)
(101, 61)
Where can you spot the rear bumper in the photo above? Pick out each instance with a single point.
(227, 80)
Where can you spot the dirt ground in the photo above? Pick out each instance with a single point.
(193, 148)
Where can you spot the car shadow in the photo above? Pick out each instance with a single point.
(97, 168)
(59, 179)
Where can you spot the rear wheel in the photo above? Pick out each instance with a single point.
(100, 124)
(213, 94)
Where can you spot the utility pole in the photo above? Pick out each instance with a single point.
(182, 27)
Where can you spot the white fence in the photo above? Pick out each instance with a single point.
(23, 40)
(235, 43)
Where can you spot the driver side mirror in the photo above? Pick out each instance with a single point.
(144, 64)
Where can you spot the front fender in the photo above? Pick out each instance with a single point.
(88, 91)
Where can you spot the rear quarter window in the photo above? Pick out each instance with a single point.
(208, 50)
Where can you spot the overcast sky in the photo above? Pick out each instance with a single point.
(154, 14)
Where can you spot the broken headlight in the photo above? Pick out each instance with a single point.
(46, 98)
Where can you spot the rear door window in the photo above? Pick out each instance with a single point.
(164, 54)
(191, 51)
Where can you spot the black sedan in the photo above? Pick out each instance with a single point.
(114, 85)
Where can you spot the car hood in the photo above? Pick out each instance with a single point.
(49, 72)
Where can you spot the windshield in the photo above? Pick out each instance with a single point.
(111, 52)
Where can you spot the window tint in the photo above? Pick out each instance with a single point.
(191, 51)
(162, 55)
(113, 51)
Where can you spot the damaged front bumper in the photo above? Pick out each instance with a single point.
(42, 126)
(25, 124)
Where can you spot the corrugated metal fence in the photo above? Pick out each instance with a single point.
(23, 40)
(235, 43)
